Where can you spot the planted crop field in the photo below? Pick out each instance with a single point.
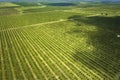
(76, 44)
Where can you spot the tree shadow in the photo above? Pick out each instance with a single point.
(61, 4)
(106, 53)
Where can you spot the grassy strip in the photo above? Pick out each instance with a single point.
(42, 61)
(6, 63)
(52, 61)
(1, 59)
(16, 61)
(28, 46)
(26, 66)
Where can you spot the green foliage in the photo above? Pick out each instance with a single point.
(27, 3)
(28, 19)
(45, 9)
(66, 44)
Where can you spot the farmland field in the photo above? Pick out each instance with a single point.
(64, 42)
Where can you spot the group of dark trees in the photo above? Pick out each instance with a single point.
(104, 14)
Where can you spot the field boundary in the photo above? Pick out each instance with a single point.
(32, 25)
